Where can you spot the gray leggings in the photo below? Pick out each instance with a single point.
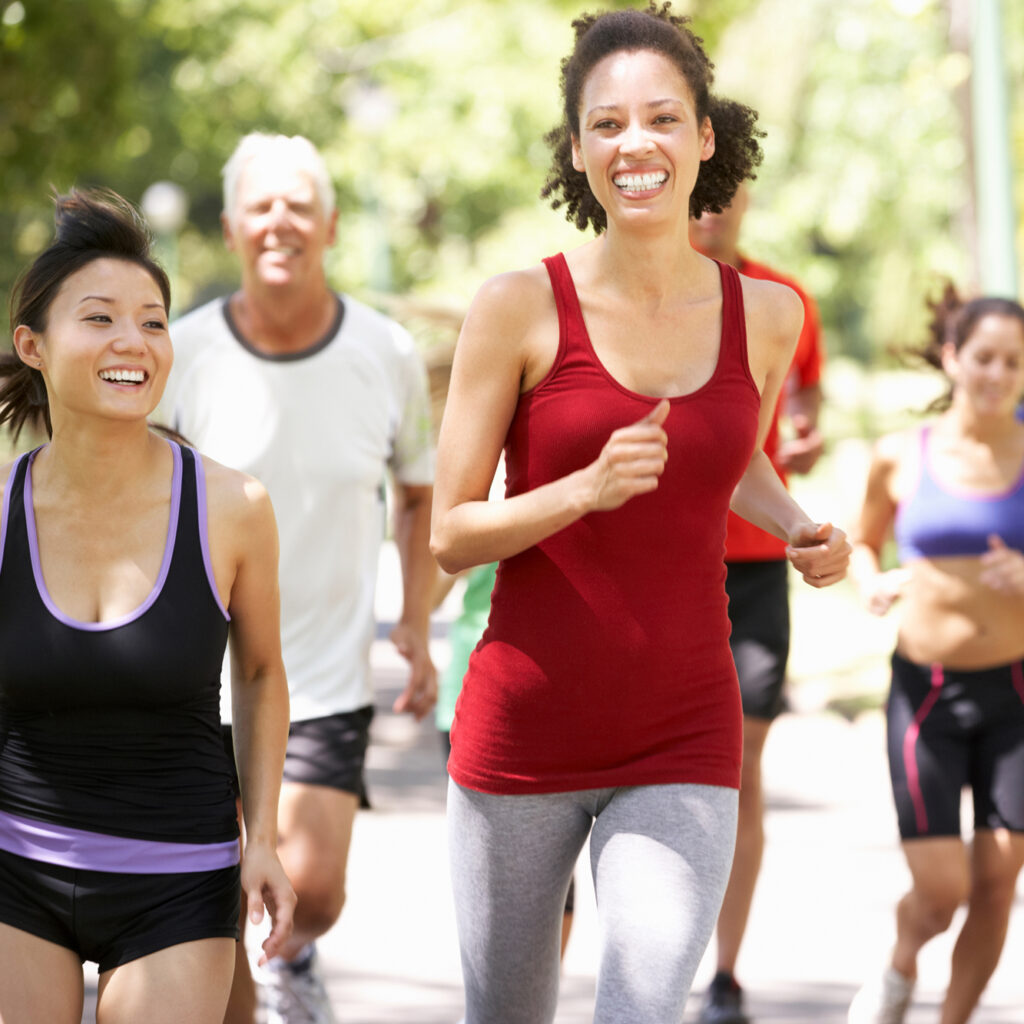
(660, 857)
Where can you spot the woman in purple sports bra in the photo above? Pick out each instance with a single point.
(126, 562)
(952, 494)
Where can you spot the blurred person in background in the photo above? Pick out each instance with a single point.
(952, 493)
(127, 563)
(757, 582)
(628, 382)
(325, 400)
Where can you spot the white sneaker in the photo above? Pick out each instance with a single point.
(882, 1000)
(294, 995)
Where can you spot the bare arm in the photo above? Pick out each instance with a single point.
(510, 329)
(819, 551)
(799, 454)
(878, 589)
(242, 525)
(411, 634)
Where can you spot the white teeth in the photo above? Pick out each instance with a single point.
(123, 376)
(640, 182)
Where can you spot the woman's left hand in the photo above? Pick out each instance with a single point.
(1002, 567)
(820, 552)
(265, 885)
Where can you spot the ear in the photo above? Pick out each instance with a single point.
(577, 156)
(707, 140)
(332, 227)
(949, 359)
(225, 227)
(27, 345)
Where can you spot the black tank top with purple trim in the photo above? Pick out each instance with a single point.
(114, 727)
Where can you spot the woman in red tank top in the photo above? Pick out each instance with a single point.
(630, 383)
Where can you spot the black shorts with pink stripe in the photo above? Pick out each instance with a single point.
(949, 729)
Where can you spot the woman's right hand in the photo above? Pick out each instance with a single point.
(631, 461)
(880, 593)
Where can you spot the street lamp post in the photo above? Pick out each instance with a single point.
(165, 207)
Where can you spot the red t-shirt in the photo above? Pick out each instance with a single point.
(744, 541)
(606, 658)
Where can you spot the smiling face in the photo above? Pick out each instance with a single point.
(278, 225)
(640, 143)
(988, 369)
(105, 350)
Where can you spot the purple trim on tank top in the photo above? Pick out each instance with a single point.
(5, 513)
(958, 492)
(37, 571)
(204, 539)
(910, 749)
(95, 851)
(1017, 675)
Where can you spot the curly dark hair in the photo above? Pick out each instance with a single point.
(952, 321)
(90, 225)
(737, 150)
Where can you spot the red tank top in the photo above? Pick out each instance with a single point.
(606, 659)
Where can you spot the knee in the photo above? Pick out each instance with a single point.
(936, 904)
(320, 902)
(992, 894)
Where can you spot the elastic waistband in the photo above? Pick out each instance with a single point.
(96, 851)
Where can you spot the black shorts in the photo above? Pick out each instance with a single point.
(327, 751)
(759, 614)
(950, 729)
(113, 918)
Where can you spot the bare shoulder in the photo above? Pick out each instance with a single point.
(513, 299)
(896, 450)
(510, 333)
(236, 500)
(773, 308)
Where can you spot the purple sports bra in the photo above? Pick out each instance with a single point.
(936, 520)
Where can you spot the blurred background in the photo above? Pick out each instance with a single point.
(431, 115)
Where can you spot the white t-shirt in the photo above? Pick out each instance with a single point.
(320, 430)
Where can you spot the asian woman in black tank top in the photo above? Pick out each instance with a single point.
(642, 147)
(92, 550)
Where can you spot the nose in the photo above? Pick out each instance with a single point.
(131, 339)
(278, 212)
(635, 139)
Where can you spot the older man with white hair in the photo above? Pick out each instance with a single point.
(323, 400)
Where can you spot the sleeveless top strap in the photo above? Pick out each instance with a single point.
(571, 326)
(734, 321)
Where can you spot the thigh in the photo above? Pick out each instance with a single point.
(759, 637)
(997, 769)
(39, 980)
(661, 857)
(929, 752)
(512, 859)
(315, 832)
(186, 982)
(997, 856)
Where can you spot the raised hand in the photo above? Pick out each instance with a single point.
(631, 461)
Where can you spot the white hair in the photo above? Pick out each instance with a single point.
(295, 149)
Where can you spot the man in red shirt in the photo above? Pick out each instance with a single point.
(757, 585)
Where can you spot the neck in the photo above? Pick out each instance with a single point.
(280, 320)
(981, 428)
(652, 268)
(96, 459)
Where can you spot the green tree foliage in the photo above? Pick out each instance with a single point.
(431, 116)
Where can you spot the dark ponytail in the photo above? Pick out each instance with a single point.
(952, 321)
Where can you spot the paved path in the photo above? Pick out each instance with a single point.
(822, 918)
